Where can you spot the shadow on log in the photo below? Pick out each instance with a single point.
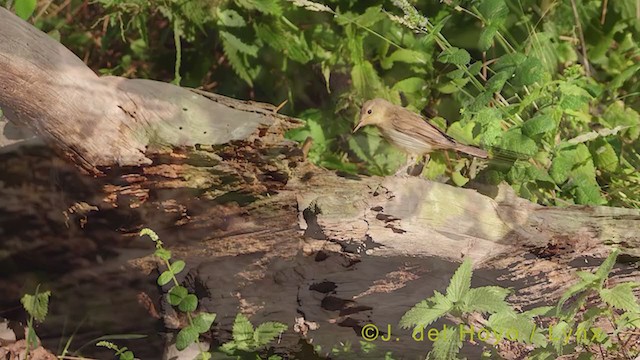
(262, 231)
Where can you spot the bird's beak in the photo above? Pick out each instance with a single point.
(360, 124)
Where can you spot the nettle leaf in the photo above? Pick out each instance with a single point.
(497, 81)
(494, 11)
(410, 85)
(573, 97)
(366, 80)
(539, 124)
(487, 35)
(602, 273)
(558, 334)
(567, 160)
(370, 16)
(509, 61)
(481, 101)
(455, 56)
(604, 155)
(625, 75)
(268, 331)
(426, 312)
(242, 329)
(487, 299)
(238, 45)
(269, 7)
(460, 282)
(187, 336)
(229, 17)
(514, 141)
(516, 327)
(586, 189)
(528, 72)
(294, 47)
(621, 297)
(617, 114)
(447, 344)
(36, 305)
(406, 56)
(233, 49)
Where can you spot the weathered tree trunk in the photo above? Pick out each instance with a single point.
(262, 231)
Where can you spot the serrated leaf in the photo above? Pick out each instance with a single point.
(202, 323)
(238, 45)
(293, 46)
(426, 312)
(514, 141)
(618, 114)
(189, 303)
(242, 329)
(36, 305)
(621, 297)
(528, 72)
(404, 55)
(365, 80)
(460, 282)
(229, 44)
(229, 17)
(607, 265)
(454, 56)
(267, 331)
(497, 81)
(509, 61)
(24, 8)
(539, 124)
(512, 326)
(487, 35)
(487, 299)
(558, 335)
(269, 7)
(186, 337)
(176, 295)
(604, 155)
(447, 344)
(165, 278)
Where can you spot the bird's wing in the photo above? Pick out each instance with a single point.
(411, 123)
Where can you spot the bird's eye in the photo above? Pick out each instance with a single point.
(369, 111)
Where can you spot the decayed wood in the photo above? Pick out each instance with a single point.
(262, 231)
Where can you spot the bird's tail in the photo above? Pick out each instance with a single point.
(472, 150)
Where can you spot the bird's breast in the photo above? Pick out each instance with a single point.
(406, 142)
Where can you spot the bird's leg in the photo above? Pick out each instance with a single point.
(408, 168)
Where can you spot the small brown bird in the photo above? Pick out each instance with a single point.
(409, 131)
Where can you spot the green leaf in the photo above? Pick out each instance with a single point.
(447, 344)
(127, 355)
(202, 323)
(24, 8)
(293, 46)
(177, 267)
(487, 299)
(176, 295)
(36, 305)
(497, 81)
(412, 85)
(229, 17)
(458, 178)
(165, 278)
(189, 303)
(487, 35)
(186, 337)
(625, 75)
(204, 356)
(267, 331)
(426, 312)
(460, 282)
(621, 297)
(539, 124)
(242, 329)
(604, 155)
(163, 254)
(238, 45)
(454, 56)
(365, 80)
(406, 56)
(558, 335)
(269, 7)
(513, 140)
(618, 114)
(528, 72)
(607, 265)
